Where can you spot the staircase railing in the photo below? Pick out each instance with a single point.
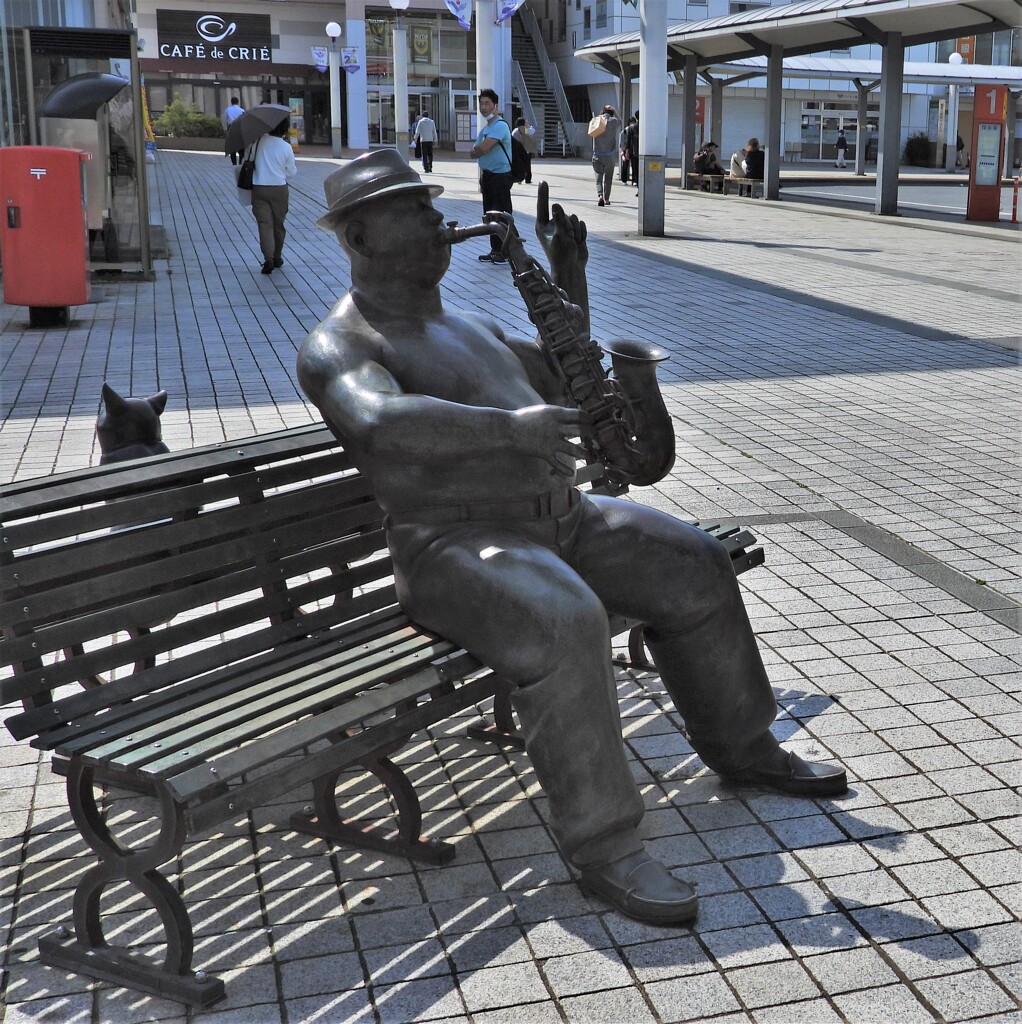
(551, 75)
(524, 100)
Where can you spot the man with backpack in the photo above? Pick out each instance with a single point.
(493, 151)
(605, 151)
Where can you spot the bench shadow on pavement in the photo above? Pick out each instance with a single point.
(328, 921)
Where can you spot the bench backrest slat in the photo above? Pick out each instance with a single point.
(136, 567)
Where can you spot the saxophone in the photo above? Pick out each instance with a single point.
(631, 432)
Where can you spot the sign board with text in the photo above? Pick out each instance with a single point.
(988, 132)
(222, 36)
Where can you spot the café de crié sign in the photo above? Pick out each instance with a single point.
(220, 36)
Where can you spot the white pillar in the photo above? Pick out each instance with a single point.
(652, 115)
(951, 132)
(401, 87)
(484, 52)
(335, 100)
(775, 82)
(502, 64)
(358, 94)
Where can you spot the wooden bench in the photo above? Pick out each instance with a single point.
(752, 184)
(723, 183)
(216, 628)
(714, 182)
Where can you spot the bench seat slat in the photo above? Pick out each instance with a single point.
(289, 776)
(354, 615)
(191, 694)
(267, 703)
(193, 782)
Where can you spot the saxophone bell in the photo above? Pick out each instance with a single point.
(634, 364)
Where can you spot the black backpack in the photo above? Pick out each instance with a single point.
(519, 160)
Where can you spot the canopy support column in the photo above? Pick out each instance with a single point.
(861, 129)
(775, 82)
(653, 115)
(717, 111)
(892, 82)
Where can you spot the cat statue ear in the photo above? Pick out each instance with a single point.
(129, 428)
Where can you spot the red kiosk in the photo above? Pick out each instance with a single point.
(988, 133)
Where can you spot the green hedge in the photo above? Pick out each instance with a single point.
(187, 122)
(917, 150)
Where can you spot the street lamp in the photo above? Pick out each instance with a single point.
(400, 78)
(333, 30)
(951, 135)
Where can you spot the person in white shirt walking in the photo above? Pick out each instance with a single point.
(232, 113)
(425, 136)
(274, 167)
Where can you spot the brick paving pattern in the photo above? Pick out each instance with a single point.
(848, 385)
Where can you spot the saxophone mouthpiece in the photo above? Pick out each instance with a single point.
(452, 234)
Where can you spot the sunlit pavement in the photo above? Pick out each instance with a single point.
(849, 386)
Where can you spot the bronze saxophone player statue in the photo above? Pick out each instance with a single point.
(467, 437)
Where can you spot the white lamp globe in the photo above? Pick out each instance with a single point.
(955, 58)
(399, 5)
(333, 30)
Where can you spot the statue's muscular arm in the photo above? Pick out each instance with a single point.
(360, 399)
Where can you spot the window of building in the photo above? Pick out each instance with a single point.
(601, 13)
(735, 7)
(587, 23)
(562, 20)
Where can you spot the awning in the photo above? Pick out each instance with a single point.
(804, 28)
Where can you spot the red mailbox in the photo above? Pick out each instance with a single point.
(988, 124)
(43, 232)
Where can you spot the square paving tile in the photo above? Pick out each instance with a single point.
(772, 984)
(965, 996)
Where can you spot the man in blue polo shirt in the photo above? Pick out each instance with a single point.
(493, 151)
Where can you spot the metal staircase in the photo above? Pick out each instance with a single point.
(539, 86)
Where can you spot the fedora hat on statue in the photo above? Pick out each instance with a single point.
(383, 172)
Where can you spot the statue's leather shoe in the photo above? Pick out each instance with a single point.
(642, 888)
(786, 772)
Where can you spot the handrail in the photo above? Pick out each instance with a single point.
(518, 83)
(551, 76)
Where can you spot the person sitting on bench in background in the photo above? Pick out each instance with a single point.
(755, 161)
(707, 162)
(464, 434)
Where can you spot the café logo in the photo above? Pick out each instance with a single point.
(214, 29)
(224, 37)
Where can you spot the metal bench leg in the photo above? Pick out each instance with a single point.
(503, 730)
(86, 951)
(327, 822)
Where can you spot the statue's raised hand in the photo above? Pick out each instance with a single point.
(563, 238)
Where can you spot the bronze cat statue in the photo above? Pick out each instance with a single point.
(129, 428)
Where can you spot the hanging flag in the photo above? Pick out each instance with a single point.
(320, 57)
(349, 59)
(462, 10)
(506, 8)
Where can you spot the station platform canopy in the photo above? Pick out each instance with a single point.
(805, 28)
(846, 69)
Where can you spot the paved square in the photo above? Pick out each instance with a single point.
(846, 385)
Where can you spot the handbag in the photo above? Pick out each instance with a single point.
(597, 126)
(247, 170)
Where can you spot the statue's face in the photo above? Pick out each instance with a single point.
(405, 237)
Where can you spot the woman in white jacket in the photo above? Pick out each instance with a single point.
(274, 167)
